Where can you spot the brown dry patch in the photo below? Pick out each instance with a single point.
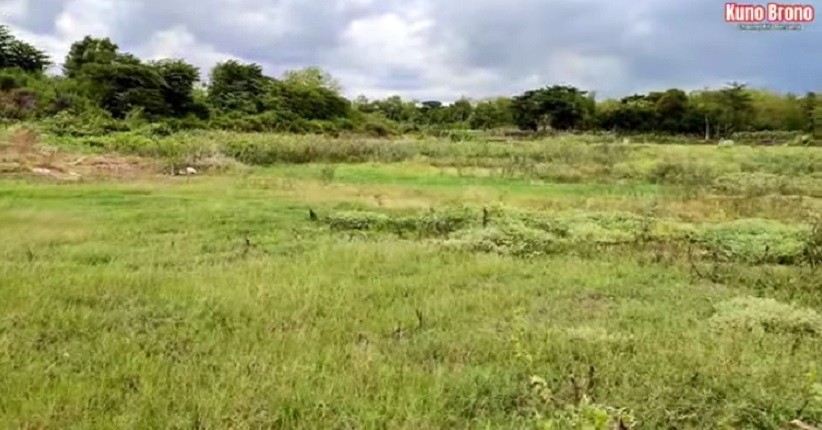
(22, 154)
(115, 166)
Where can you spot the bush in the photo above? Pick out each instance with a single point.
(754, 241)
(90, 123)
(767, 137)
(766, 315)
(681, 173)
(508, 239)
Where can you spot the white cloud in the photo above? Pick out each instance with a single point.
(95, 17)
(178, 42)
(12, 10)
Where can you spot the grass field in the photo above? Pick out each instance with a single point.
(522, 285)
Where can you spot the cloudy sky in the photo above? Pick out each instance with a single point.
(430, 49)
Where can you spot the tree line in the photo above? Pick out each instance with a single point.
(100, 84)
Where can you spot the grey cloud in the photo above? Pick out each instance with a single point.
(491, 47)
(40, 15)
(687, 43)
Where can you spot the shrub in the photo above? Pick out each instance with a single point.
(766, 315)
(509, 239)
(754, 241)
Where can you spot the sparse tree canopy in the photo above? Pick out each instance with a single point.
(15, 53)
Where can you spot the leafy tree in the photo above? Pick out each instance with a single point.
(460, 110)
(313, 103)
(773, 111)
(530, 111)
(560, 107)
(396, 109)
(672, 109)
(430, 105)
(310, 93)
(490, 114)
(632, 113)
(711, 107)
(92, 50)
(737, 101)
(312, 77)
(178, 78)
(237, 87)
(810, 111)
(121, 88)
(362, 104)
(15, 53)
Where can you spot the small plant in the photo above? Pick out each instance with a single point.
(327, 174)
(584, 414)
(509, 239)
(812, 249)
(357, 221)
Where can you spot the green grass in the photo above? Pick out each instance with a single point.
(215, 302)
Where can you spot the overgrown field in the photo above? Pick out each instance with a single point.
(307, 282)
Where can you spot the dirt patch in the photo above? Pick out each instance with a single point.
(22, 154)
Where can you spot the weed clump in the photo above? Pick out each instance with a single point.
(758, 184)
(691, 174)
(551, 412)
(350, 220)
(433, 223)
(812, 246)
(754, 241)
(508, 239)
(767, 316)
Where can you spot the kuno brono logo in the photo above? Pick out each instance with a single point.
(772, 16)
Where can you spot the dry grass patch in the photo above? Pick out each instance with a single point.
(21, 153)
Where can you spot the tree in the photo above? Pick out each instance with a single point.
(490, 114)
(15, 53)
(460, 110)
(237, 87)
(178, 78)
(313, 103)
(362, 104)
(396, 109)
(313, 77)
(560, 107)
(773, 111)
(634, 113)
(712, 109)
(737, 100)
(430, 105)
(672, 109)
(810, 110)
(91, 50)
(813, 111)
(121, 88)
